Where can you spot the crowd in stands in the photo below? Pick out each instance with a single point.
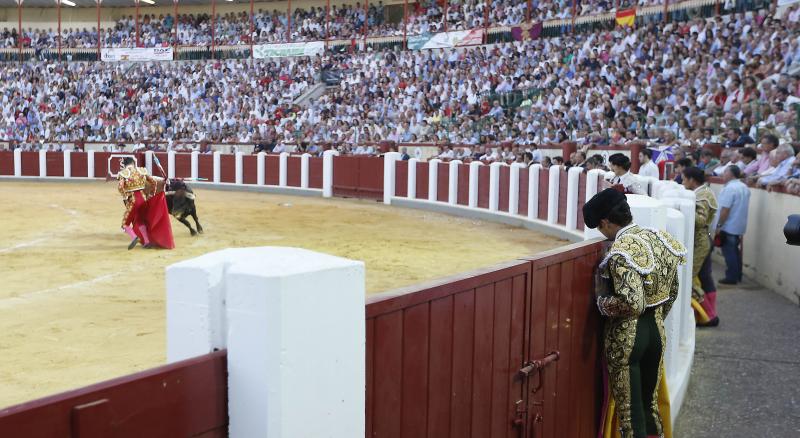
(344, 22)
(674, 86)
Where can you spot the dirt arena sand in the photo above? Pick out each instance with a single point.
(76, 307)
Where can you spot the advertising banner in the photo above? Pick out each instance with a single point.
(262, 51)
(446, 40)
(136, 54)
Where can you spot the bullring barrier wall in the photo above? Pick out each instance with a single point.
(467, 338)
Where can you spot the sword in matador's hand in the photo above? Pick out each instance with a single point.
(158, 163)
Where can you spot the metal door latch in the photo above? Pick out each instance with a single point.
(538, 364)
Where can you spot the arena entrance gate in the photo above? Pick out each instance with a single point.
(510, 352)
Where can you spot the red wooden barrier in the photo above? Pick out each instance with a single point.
(30, 163)
(293, 165)
(315, 173)
(483, 186)
(205, 167)
(443, 183)
(101, 163)
(562, 197)
(79, 162)
(523, 192)
(183, 166)
(272, 166)
(544, 185)
(422, 180)
(401, 178)
(184, 399)
(250, 169)
(463, 185)
(345, 176)
(227, 168)
(370, 178)
(6, 162)
(55, 163)
(566, 396)
(162, 158)
(505, 175)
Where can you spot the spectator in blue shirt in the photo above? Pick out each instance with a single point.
(734, 201)
(784, 155)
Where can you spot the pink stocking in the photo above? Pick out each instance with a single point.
(145, 235)
(710, 304)
(129, 231)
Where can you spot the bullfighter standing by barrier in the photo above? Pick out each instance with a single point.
(146, 217)
(640, 273)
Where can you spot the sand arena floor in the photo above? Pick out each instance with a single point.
(76, 307)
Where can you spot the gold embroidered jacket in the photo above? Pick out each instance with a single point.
(132, 179)
(704, 211)
(642, 265)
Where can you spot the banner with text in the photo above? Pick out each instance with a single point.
(136, 54)
(288, 50)
(446, 40)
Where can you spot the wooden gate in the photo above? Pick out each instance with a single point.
(508, 351)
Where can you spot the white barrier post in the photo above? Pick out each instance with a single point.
(411, 190)
(239, 167)
(327, 172)
(552, 194)
(433, 178)
(261, 168)
(474, 182)
(452, 182)
(592, 181)
(170, 164)
(494, 185)
(260, 304)
(67, 163)
(148, 161)
(90, 164)
(42, 164)
(17, 162)
(573, 183)
(513, 188)
(389, 169)
(304, 164)
(195, 165)
(217, 167)
(283, 168)
(533, 191)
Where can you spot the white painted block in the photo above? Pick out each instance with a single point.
(261, 168)
(67, 163)
(452, 181)
(592, 180)
(327, 172)
(513, 188)
(148, 161)
(90, 164)
(170, 164)
(195, 165)
(304, 165)
(494, 185)
(239, 164)
(552, 194)
(573, 183)
(17, 162)
(42, 164)
(217, 167)
(433, 178)
(389, 170)
(283, 168)
(533, 191)
(411, 190)
(474, 183)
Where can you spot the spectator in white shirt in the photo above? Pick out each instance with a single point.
(646, 165)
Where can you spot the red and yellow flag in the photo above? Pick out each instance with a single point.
(626, 17)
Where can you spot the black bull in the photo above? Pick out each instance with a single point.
(180, 202)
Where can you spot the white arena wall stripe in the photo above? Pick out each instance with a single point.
(17, 162)
(513, 188)
(261, 168)
(412, 178)
(283, 168)
(552, 194)
(195, 164)
(171, 164)
(239, 168)
(474, 181)
(433, 178)
(494, 185)
(573, 180)
(452, 189)
(217, 167)
(533, 191)
(42, 163)
(304, 160)
(67, 164)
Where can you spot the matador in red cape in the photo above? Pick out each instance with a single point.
(146, 217)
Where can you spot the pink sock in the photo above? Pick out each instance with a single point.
(710, 304)
(145, 235)
(129, 231)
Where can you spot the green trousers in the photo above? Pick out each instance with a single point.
(645, 363)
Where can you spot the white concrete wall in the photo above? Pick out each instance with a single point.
(293, 323)
(767, 258)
